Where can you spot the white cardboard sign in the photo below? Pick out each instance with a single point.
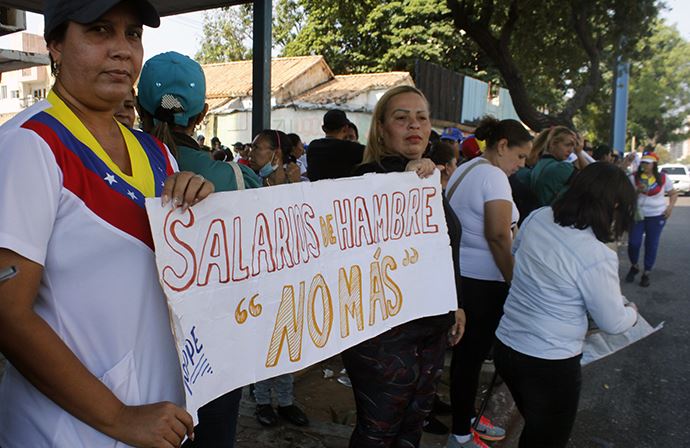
(269, 281)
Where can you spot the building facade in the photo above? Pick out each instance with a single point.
(20, 89)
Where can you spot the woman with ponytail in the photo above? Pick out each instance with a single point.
(480, 195)
(172, 93)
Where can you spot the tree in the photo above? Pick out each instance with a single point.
(227, 32)
(288, 22)
(660, 89)
(659, 94)
(374, 36)
(552, 55)
(227, 35)
(576, 40)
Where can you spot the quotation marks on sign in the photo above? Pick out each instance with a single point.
(254, 310)
(410, 258)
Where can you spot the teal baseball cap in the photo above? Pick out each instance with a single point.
(172, 88)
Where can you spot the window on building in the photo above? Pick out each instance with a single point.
(15, 94)
(3, 92)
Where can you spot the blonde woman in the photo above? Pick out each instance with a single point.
(553, 172)
(394, 375)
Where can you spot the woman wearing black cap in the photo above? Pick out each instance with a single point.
(84, 323)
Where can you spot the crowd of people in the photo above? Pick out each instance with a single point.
(85, 324)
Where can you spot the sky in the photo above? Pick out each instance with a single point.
(183, 32)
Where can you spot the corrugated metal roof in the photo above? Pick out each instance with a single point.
(234, 79)
(345, 87)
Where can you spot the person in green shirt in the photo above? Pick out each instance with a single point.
(552, 173)
(172, 95)
(172, 92)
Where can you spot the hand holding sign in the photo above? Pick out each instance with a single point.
(265, 282)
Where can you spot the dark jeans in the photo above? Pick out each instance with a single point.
(217, 422)
(394, 378)
(483, 303)
(651, 229)
(546, 393)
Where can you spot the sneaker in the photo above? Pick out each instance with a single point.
(440, 407)
(644, 280)
(474, 442)
(293, 414)
(266, 415)
(487, 431)
(432, 425)
(631, 274)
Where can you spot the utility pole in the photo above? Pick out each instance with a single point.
(619, 113)
(261, 74)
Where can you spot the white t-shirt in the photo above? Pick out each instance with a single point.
(654, 205)
(483, 184)
(76, 214)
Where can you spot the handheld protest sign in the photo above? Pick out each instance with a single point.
(269, 281)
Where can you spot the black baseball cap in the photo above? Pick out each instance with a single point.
(57, 12)
(335, 119)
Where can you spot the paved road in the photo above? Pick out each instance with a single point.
(640, 397)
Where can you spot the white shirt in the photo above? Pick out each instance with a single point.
(483, 184)
(65, 209)
(560, 274)
(653, 205)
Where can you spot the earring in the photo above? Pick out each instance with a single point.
(56, 69)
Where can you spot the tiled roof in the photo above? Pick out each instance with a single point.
(234, 79)
(344, 87)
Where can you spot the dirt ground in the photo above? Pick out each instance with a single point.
(330, 407)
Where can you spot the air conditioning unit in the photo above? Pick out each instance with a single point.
(11, 20)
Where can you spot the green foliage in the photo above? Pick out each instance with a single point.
(553, 54)
(374, 36)
(288, 20)
(659, 95)
(227, 35)
(556, 56)
(659, 88)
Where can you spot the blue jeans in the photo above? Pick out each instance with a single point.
(281, 385)
(650, 228)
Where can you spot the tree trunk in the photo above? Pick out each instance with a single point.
(498, 51)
